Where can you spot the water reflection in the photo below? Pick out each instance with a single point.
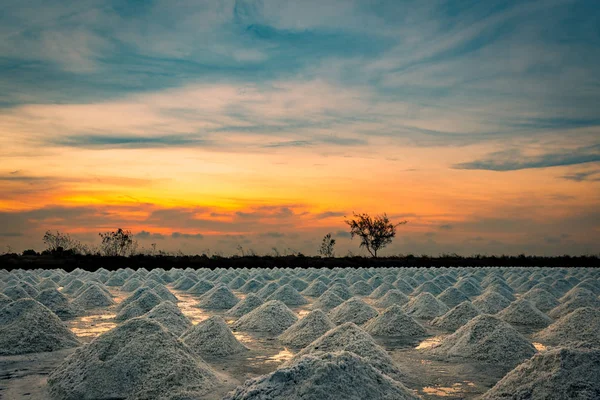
(430, 342)
(539, 347)
(187, 304)
(448, 391)
(92, 326)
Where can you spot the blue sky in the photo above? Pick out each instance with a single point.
(462, 88)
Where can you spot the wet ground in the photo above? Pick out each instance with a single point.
(24, 377)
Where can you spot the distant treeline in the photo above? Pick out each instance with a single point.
(70, 262)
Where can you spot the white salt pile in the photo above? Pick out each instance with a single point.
(541, 299)
(554, 375)
(298, 284)
(185, 283)
(425, 306)
(212, 337)
(341, 290)
(26, 326)
(392, 297)
(268, 290)
(306, 330)
(488, 339)
(361, 288)
(46, 283)
(162, 291)
(327, 301)
(288, 296)
(330, 376)
(452, 297)
(201, 287)
(93, 297)
(456, 317)
(381, 290)
(170, 316)
(249, 303)
(272, 317)
(59, 304)
(468, 287)
(136, 360)
(73, 286)
(394, 322)
(131, 285)
(350, 337)
(574, 299)
(352, 310)
(427, 287)
(146, 302)
(15, 292)
(577, 329)
(218, 298)
(4, 300)
(315, 289)
(522, 312)
(491, 302)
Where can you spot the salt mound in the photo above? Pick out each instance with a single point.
(315, 289)
(298, 284)
(427, 287)
(218, 298)
(288, 296)
(341, 290)
(403, 286)
(522, 312)
(350, 337)
(486, 338)
(249, 303)
(136, 360)
(491, 302)
(353, 310)
(184, 283)
(361, 288)
(162, 291)
(541, 299)
(579, 328)
(306, 330)
(131, 285)
(272, 317)
(59, 304)
(425, 306)
(468, 287)
(140, 306)
(330, 376)
(252, 286)
(557, 374)
(201, 287)
(236, 283)
(327, 301)
(73, 287)
(212, 337)
(581, 298)
(452, 297)
(15, 292)
(88, 285)
(93, 297)
(46, 283)
(170, 316)
(4, 300)
(116, 280)
(394, 322)
(268, 290)
(392, 297)
(381, 290)
(456, 317)
(26, 326)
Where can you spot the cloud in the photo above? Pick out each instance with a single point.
(149, 235)
(276, 235)
(582, 176)
(179, 235)
(342, 234)
(514, 159)
(330, 214)
(130, 142)
(446, 227)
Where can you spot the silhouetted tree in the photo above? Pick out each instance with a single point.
(327, 244)
(57, 242)
(119, 243)
(374, 232)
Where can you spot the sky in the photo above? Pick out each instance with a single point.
(222, 126)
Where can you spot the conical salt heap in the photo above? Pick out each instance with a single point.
(306, 330)
(577, 329)
(452, 297)
(425, 306)
(341, 290)
(268, 290)
(201, 287)
(94, 284)
(352, 310)
(139, 307)
(491, 302)
(553, 375)
(162, 291)
(288, 296)
(26, 326)
(456, 317)
(185, 283)
(169, 316)
(350, 337)
(327, 301)
(116, 280)
(361, 288)
(522, 313)
(488, 339)
(236, 283)
(212, 337)
(72, 287)
(59, 304)
(15, 292)
(93, 297)
(574, 299)
(315, 289)
(330, 376)
(468, 287)
(46, 283)
(4, 300)
(139, 359)
(394, 322)
(381, 290)
(541, 299)
(392, 297)
(131, 285)
(298, 284)
(427, 287)
(272, 317)
(218, 298)
(249, 303)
